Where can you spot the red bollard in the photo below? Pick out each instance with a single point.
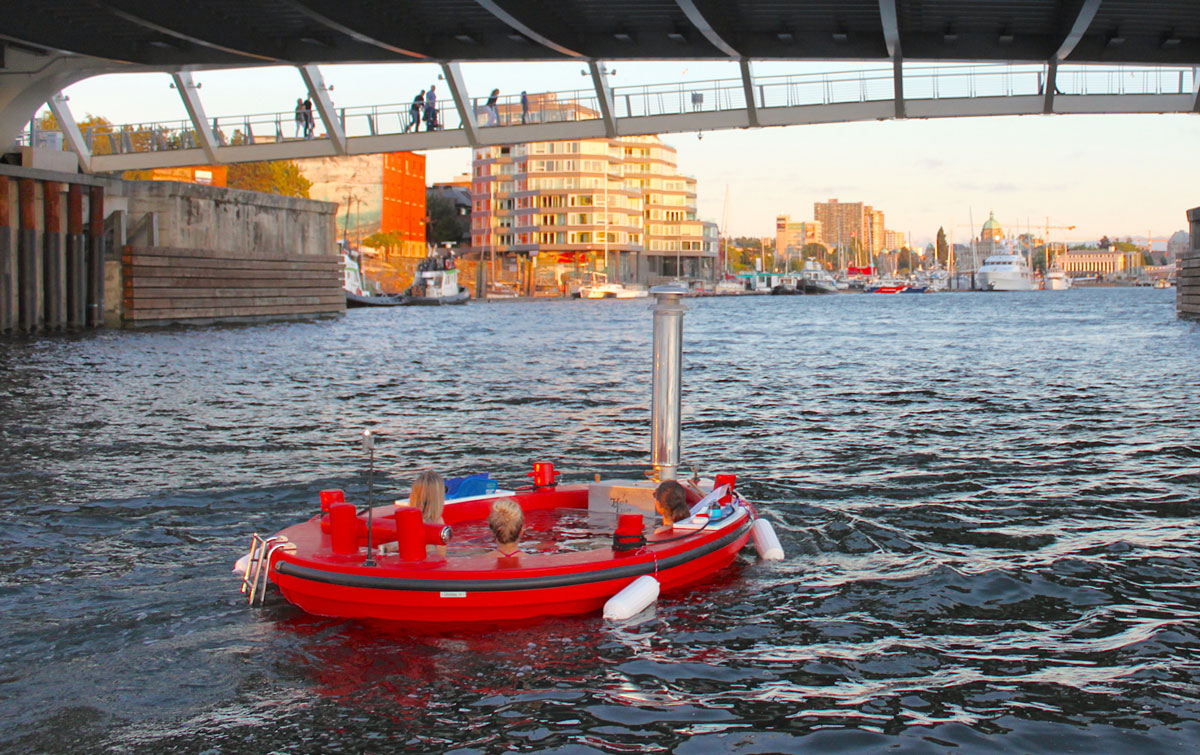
(330, 497)
(725, 479)
(543, 474)
(343, 528)
(410, 534)
(630, 534)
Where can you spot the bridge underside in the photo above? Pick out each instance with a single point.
(244, 32)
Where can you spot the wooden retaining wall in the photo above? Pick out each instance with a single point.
(172, 285)
(1187, 276)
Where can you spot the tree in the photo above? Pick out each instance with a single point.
(943, 249)
(445, 224)
(1104, 242)
(388, 242)
(281, 177)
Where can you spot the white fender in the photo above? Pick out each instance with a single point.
(241, 565)
(632, 600)
(765, 541)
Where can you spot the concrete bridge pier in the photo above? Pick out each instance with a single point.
(8, 265)
(76, 268)
(31, 316)
(54, 267)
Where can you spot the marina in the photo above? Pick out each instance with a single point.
(986, 546)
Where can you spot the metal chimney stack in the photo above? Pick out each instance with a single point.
(668, 380)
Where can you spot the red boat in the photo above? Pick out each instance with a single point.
(375, 565)
(898, 288)
(321, 565)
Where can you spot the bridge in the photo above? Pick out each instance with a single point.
(696, 106)
(1059, 56)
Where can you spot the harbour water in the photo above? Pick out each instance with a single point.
(988, 502)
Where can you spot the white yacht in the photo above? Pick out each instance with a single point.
(601, 288)
(1004, 272)
(1057, 279)
(816, 279)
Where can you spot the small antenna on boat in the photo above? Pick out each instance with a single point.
(368, 443)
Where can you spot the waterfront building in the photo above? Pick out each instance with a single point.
(618, 205)
(991, 236)
(382, 193)
(1106, 263)
(840, 222)
(791, 238)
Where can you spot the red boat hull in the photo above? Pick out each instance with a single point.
(486, 588)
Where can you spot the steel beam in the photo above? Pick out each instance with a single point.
(702, 24)
(517, 25)
(303, 7)
(604, 95)
(1196, 90)
(891, 37)
(1087, 12)
(195, 111)
(748, 88)
(66, 123)
(192, 39)
(320, 93)
(462, 101)
(1051, 86)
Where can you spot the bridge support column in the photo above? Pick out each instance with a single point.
(95, 258)
(8, 264)
(76, 268)
(54, 269)
(29, 260)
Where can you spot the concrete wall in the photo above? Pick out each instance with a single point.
(214, 217)
(1187, 279)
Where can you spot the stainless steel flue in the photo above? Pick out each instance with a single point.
(668, 380)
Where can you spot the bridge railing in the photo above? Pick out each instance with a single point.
(921, 82)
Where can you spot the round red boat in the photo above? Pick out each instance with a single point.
(322, 567)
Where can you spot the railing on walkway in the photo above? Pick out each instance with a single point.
(921, 83)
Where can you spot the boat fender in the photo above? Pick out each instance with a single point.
(630, 534)
(765, 541)
(241, 565)
(634, 598)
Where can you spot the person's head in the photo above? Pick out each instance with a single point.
(496, 90)
(429, 493)
(432, 87)
(422, 92)
(507, 521)
(670, 499)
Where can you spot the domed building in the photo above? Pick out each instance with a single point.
(991, 238)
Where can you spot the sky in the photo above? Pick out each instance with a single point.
(1115, 175)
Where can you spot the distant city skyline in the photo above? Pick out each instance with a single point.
(1120, 175)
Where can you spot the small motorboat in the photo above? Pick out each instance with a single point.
(436, 283)
(377, 564)
(886, 288)
(600, 287)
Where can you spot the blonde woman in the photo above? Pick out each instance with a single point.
(429, 495)
(507, 523)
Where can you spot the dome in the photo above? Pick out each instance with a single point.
(992, 231)
(992, 224)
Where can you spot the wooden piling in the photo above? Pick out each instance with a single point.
(54, 268)
(76, 267)
(29, 260)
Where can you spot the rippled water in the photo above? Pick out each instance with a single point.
(988, 504)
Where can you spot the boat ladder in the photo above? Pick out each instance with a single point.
(258, 566)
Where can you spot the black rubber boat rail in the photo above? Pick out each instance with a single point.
(502, 585)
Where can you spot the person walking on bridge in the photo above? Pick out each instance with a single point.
(309, 124)
(492, 111)
(431, 120)
(301, 120)
(414, 112)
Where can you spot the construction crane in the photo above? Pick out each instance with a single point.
(1049, 252)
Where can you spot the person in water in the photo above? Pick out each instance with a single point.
(507, 523)
(670, 500)
(429, 495)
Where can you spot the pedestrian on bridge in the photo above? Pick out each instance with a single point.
(309, 124)
(414, 112)
(492, 111)
(301, 120)
(431, 120)
(524, 107)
